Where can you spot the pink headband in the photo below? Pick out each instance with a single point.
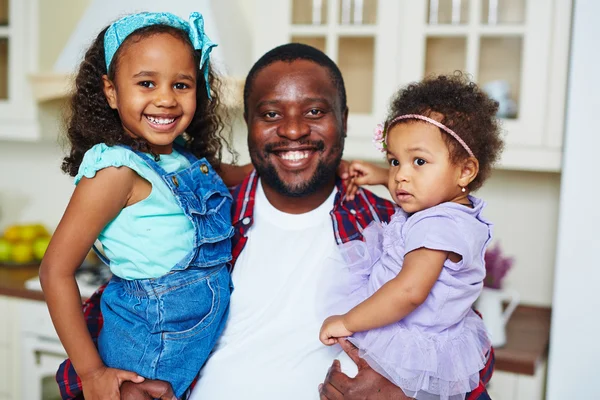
(380, 136)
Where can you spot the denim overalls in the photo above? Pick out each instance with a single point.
(164, 328)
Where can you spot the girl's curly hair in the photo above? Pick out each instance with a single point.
(90, 120)
(465, 108)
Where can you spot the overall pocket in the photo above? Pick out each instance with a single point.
(190, 310)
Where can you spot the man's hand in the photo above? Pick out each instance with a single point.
(147, 390)
(367, 384)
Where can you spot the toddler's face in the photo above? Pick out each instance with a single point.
(154, 89)
(421, 174)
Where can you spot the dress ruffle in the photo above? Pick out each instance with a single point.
(444, 365)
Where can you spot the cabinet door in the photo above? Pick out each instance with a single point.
(514, 49)
(18, 54)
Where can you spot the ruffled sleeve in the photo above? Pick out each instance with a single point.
(437, 229)
(102, 156)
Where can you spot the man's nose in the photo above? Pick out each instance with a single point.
(293, 128)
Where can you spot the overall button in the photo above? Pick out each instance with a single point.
(175, 181)
(204, 169)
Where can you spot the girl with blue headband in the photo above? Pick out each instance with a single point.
(145, 148)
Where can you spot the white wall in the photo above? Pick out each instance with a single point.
(574, 344)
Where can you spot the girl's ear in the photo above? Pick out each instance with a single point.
(110, 92)
(468, 171)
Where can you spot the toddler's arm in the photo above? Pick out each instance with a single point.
(364, 173)
(393, 301)
(95, 202)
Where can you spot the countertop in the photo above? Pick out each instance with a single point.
(527, 332)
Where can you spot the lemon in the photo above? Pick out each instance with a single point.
(12, 233)
(5, 250)
(22, 253)
(28, 233)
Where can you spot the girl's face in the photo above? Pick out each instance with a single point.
(154, 90)
(421, 174)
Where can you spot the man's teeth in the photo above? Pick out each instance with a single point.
(295, 155)
(161, 121)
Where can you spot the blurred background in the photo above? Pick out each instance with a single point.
(522, 53)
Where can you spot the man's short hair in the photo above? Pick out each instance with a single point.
(291, 52)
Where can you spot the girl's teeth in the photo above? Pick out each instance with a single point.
(161, 121)
(295, 155)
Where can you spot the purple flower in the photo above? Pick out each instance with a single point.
(496, 267)
(379, 137)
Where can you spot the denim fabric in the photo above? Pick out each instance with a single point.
(164, 328)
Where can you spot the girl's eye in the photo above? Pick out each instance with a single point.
(146, 84)
(393, 162)
(180, 86)
(420, 162)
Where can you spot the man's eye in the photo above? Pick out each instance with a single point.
(315, 112)
(271, 114)
(420, 162)
(393, 162)
(146, 84)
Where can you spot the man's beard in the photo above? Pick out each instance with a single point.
(324, 173)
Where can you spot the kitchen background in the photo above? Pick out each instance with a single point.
(379, 46)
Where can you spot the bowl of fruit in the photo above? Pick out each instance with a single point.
(23, 244)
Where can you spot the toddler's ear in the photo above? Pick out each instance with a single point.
(468, 172)
(110, 92)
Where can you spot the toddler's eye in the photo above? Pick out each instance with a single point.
(420, 162)
(393, 162)
(146, 84)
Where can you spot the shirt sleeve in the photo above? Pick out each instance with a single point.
(437, 231)
(102, 156)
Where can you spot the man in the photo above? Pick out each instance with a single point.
(289, 217)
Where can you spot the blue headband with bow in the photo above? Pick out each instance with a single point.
(119, 30)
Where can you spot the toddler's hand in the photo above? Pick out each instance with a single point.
(363, 173)
(104, 383)
(332, 329)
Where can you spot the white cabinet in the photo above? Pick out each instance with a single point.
(9, 350)
(18, 57)
(509, 386)
(517, 47)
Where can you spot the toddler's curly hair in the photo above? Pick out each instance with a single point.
(90, 120)
(465, 108)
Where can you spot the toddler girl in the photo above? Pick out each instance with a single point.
(145, 146)
(412, 282)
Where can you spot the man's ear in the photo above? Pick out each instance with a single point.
(110, 92)
(468, 171)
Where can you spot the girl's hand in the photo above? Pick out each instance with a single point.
(104, 383)
(363, 173)
(332, 329)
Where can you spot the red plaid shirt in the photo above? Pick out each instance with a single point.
(349, 218)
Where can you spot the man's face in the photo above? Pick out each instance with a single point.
(296, 127)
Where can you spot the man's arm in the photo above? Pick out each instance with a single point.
(369, 384)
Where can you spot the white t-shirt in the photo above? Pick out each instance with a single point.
(270, 347)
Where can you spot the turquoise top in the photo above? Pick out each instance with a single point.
(150, 237)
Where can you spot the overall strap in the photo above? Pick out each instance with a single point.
(185, 152)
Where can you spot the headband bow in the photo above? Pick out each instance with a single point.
(119, 30)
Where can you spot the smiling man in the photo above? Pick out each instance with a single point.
(289, 217)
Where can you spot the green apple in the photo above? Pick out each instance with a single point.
(5, 250)
(39, 247)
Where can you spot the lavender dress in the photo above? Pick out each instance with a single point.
(437, 350)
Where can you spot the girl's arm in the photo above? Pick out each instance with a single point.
(394, 300)
(95, 202)
(233, 175)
